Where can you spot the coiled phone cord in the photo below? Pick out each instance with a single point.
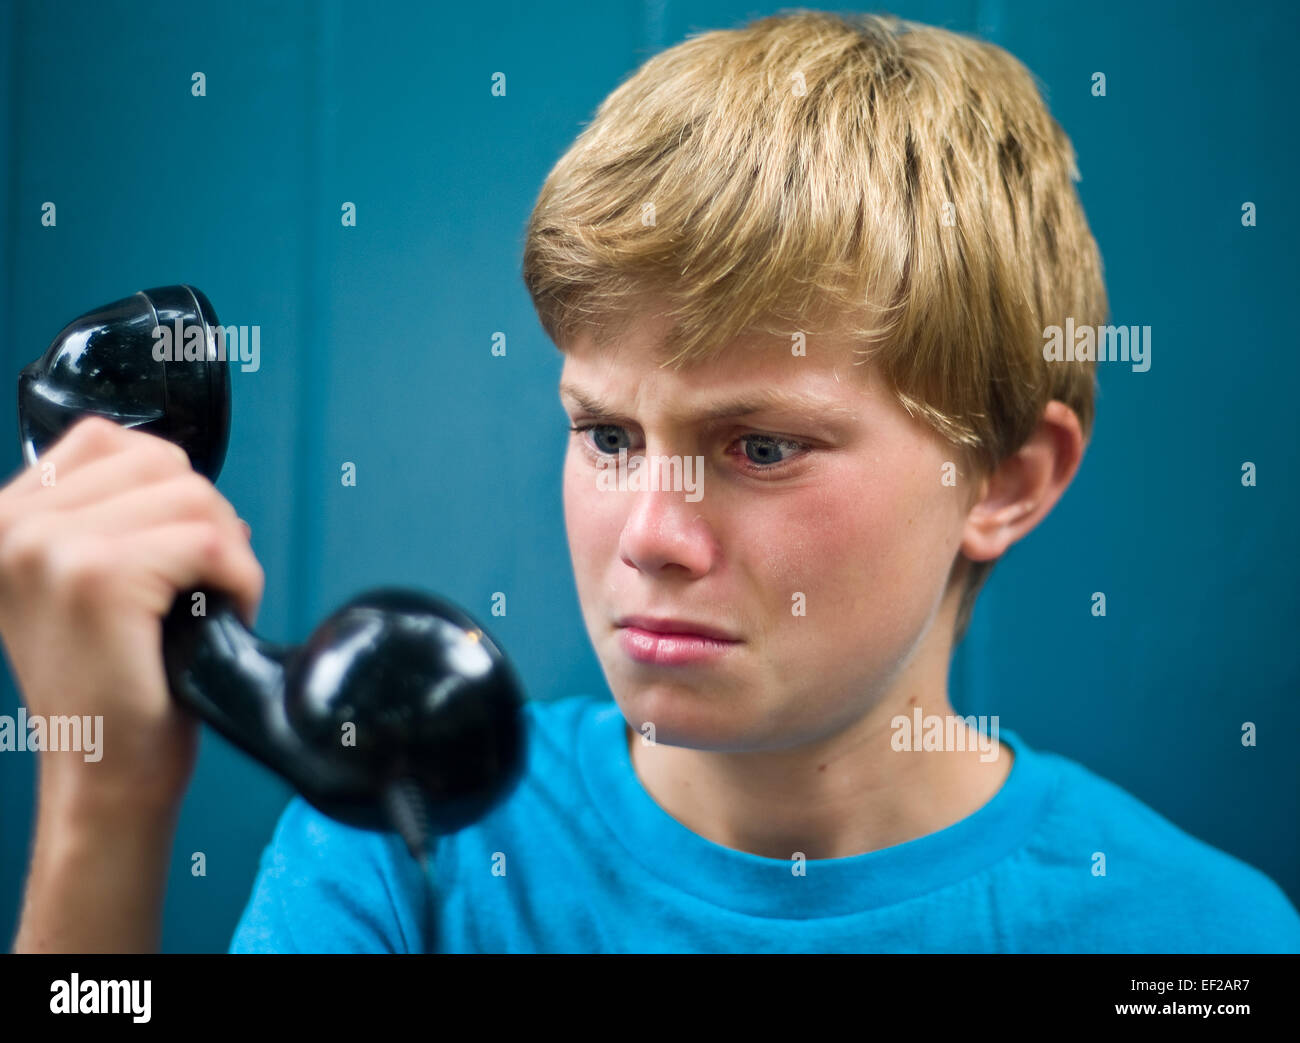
(409, 815)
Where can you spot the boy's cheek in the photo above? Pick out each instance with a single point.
(860, 572)
(593, 519)
(582, 499)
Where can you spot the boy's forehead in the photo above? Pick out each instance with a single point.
(759, 374)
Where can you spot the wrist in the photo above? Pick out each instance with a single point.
(103, 805)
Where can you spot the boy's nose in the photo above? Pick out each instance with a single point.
(663, 529)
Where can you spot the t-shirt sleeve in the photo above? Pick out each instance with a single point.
(323, 887)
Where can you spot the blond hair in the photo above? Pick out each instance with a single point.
(894, 182)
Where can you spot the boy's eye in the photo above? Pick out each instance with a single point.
(606, 437)
(764, 449)
(763, 452)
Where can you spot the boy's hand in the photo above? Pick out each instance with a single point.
(96, 540)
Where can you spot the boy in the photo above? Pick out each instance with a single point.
(800, 273)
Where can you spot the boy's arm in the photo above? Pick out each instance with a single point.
(97, 879)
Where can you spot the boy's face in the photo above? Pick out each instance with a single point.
(857, 530)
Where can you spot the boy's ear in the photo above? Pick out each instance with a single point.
(1025, 486)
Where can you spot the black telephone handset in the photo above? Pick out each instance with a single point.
(397, 712)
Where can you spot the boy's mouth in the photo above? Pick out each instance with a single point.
(676, 628)
(672, 642)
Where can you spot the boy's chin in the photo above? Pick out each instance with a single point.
(666, 716)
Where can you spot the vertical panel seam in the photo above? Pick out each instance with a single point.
(309, 478)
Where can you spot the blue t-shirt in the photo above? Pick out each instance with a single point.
(580, 859)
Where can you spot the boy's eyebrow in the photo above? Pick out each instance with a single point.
(762, 401)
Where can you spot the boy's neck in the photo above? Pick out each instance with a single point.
(846, 794)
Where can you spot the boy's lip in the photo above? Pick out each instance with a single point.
(676, 626)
